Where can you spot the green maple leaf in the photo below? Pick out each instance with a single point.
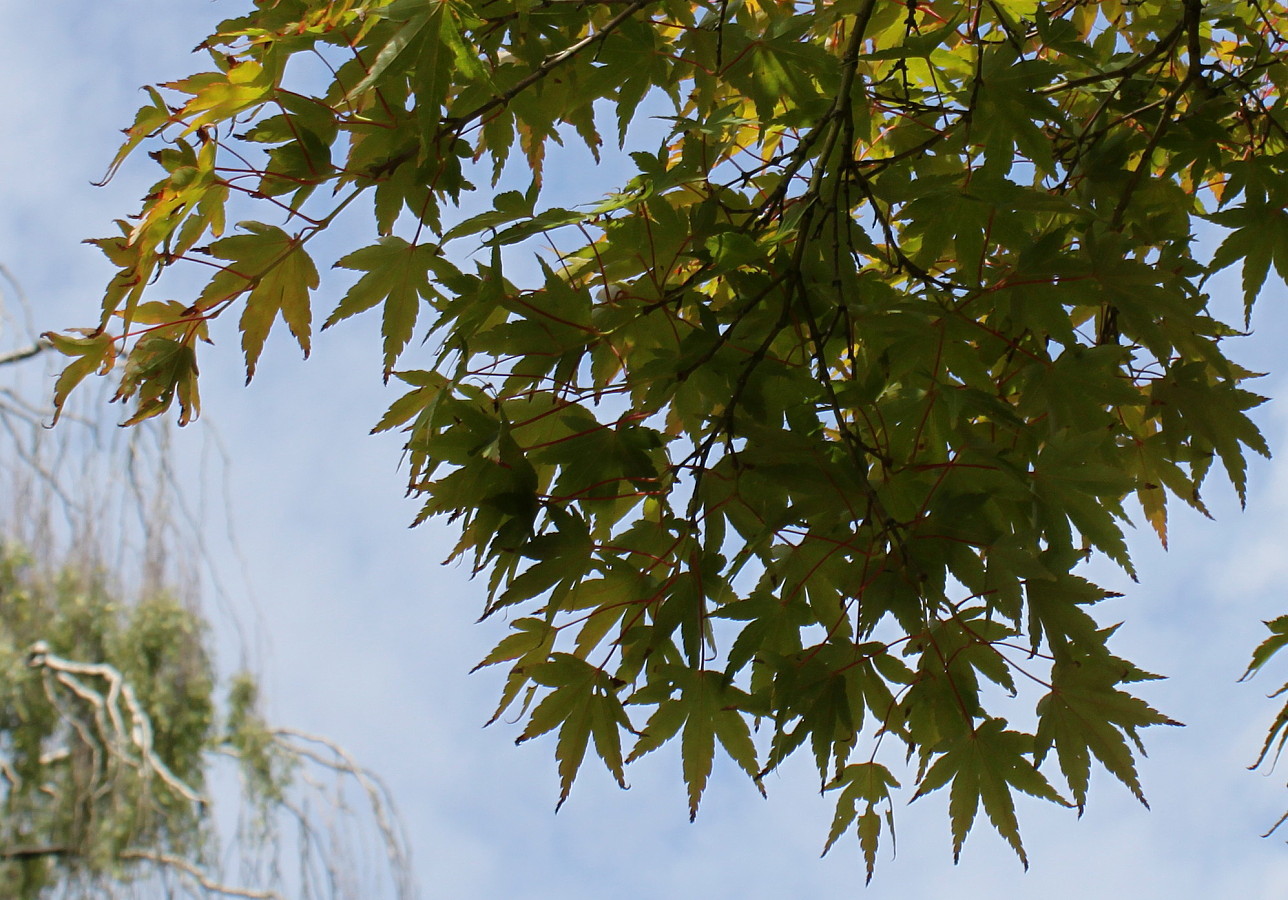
(583, 704)
(273, 266)
(158, 369)
(871, 783)
(1086, 715)
(986, 764)
(705, 708)
(1279, 727)
(397, 275)
(1260, 237)
(912, 358)
(1269, 647)
(1214, 412)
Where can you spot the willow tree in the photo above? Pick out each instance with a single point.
(126, 756)
(112, 733)
(812, 423)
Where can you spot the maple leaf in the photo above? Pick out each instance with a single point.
(278, 274)
(704, 708)
(986, 764)
(222, 95)
(870, 783)
(1260, 237)
(160, 368)
(583, 703)
(91, 351)
(1086, 715)
(1277, 735)
(397, 275)
(893, 314)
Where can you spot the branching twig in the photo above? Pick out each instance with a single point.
(378, 795)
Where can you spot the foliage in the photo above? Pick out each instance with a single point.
(100, 758)
(109, 732)
(813, 422)
(1278, 734)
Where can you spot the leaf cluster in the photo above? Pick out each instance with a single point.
(1277, 736)
(811, 424)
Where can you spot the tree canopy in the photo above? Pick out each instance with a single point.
(800, 440)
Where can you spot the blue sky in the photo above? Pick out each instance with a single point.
(365, 637)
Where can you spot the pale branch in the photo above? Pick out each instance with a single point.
(22, 353)
(191, 870)
(74, 722)
(140, 732)
(377, 794)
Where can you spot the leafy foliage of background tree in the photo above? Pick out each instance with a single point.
(108, 728)
(100, 759)
(813, 422)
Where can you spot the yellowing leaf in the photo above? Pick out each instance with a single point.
(222, 95)
(278, 274)
(93, 352)
(147, 122)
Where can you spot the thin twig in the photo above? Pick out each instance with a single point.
(22, 353)
(378, 795)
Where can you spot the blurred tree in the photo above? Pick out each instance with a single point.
(814, 421)
(116, 752)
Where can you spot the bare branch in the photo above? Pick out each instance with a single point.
(378, 795)
(139, 733)
(35, 852)
(191, 870)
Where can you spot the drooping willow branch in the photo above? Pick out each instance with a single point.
(119, 698)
